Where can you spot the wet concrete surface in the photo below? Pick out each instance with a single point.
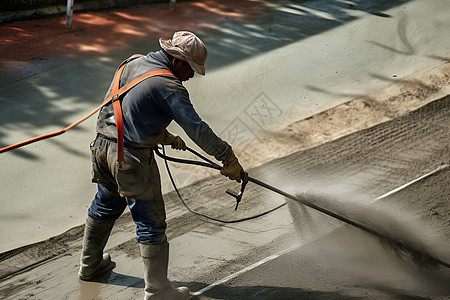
(295, 59)
(292, 59)
(302, 255)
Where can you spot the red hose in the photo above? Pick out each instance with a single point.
(49, 135)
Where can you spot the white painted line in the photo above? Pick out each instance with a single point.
(287, 250)
(411, 182)
(251, 267)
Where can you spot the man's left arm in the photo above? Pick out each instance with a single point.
(201, 133)
(184, 114)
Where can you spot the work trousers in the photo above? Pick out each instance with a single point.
(136, 184)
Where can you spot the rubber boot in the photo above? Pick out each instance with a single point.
(93, 261)
(157, 286)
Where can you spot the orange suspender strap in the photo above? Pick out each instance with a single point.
(116, 95)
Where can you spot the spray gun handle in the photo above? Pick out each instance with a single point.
(232, 193)
(238, 196)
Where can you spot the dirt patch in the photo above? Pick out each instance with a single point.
(100, 32)
(357, 114)
(30, 47)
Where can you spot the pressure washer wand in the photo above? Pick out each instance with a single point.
(311, 205)
(246, 178)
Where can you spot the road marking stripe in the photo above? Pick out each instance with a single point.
(251, 267)
(443, 167)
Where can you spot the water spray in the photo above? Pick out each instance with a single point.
(399, 246)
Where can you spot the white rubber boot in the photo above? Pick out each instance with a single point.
(157, 286)
(93, 262)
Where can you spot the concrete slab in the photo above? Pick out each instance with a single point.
(293, 61)
(345, 263)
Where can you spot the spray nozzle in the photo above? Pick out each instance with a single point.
(238, 196)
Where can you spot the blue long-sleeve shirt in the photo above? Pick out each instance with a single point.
(149, 107)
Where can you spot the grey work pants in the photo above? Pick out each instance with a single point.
(136, 184)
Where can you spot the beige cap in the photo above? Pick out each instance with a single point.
(186, 46)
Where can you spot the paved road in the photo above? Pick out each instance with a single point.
(294, 60)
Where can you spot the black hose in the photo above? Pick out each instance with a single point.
(209, 164)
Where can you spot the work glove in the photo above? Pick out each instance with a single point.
(232, 168)
(174, 140)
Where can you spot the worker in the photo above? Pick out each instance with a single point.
(148, 108)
